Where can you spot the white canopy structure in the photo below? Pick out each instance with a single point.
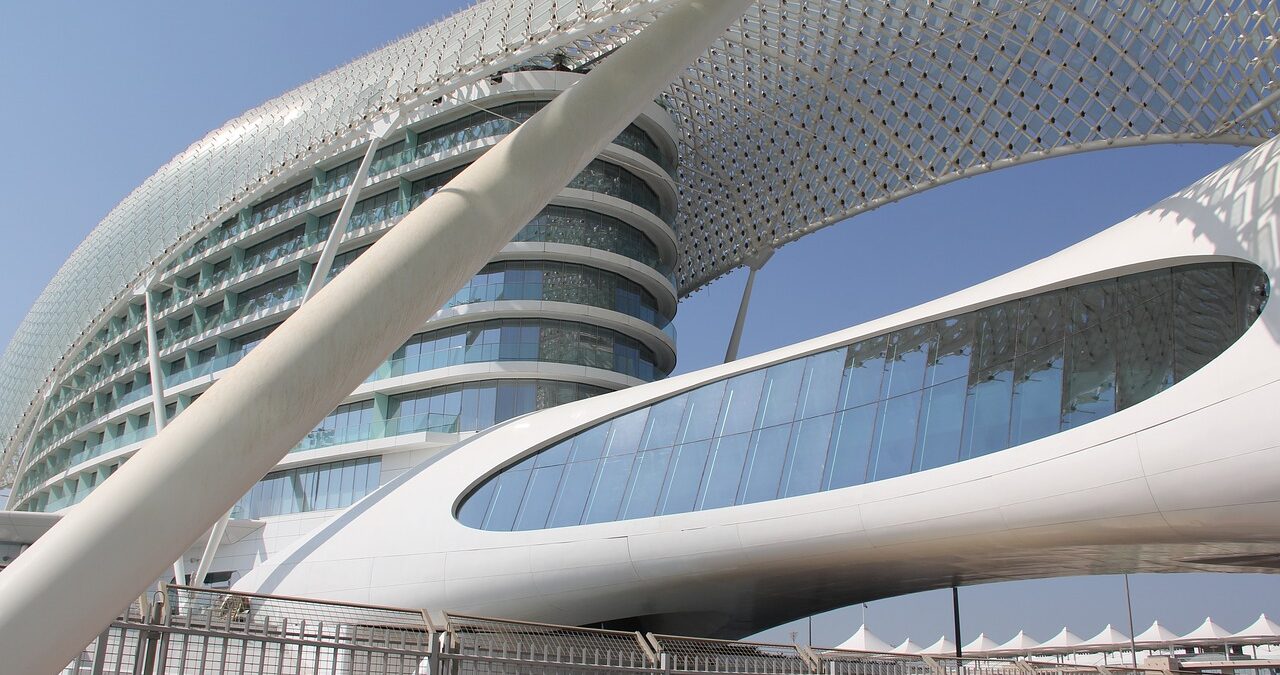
(865, 641)
(981, 644)
(1065, 640)
(943, 646)
(1156, 635)
(1019, 643)
(1263, 629)
(1208, 631)
(908, 646)
(1108, 636)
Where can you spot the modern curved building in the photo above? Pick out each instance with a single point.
(1079, 415)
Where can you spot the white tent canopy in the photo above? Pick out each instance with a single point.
(1261, 629)
(1020, 643)
(943, 646)
(1065, 639)
(1208, 631)
(1108, 636)
(981, 644)
(908, 646)
(865, 641)
(1156, 634)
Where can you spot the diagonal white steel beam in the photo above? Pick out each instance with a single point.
(125, 533)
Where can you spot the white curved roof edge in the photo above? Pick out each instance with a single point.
(863, 120)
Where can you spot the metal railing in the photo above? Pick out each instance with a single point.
(202, 631)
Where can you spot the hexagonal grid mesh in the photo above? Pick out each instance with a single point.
(805, 113)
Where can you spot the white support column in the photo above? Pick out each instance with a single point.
(157, 398)
(731, 354)
(377, 132)
(210, 549)
(95, 560)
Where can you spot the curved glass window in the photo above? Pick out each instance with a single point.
(474, 406)
(468, 406)
(504, 119)
(564, 225)
(917, 398)
(546, 340)
(615, 181)
(560, 282)
(311, 488)
(599, 176)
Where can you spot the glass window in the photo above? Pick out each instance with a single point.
(681, 489)
(1037, 395)
(918, 398)
(765, 458)
(941, 425)
(606, 494)
(537, 500)
(723, 471)
(806, 456)
(1090, 376)
(642, 494)
(895, 437)
(575, 487)
(820, 389)
(781, 393)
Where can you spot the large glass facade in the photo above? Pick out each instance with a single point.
(261, 250)
(917, 398)
(561, 282)
(311, 488)
(545, 340)
(564, 225)
(467, 406)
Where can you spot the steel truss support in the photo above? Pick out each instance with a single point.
(377, 133)
(731, 354)
(184, 479)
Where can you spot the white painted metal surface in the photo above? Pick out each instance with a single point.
(209, 456)
(809, 113)
(1176, 482)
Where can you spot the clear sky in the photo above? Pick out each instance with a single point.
(96, 96)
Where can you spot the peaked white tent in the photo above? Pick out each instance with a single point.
(1065, 640)
(1264, 630)
(908, 646)
(943, 647)
(865, 641)
(1208, 631)
(981, 644)
(1108, 637)
(1019, 643)
(1156, 634)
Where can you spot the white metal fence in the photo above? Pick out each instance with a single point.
(188, 631)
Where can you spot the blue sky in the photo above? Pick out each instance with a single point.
(98, 95)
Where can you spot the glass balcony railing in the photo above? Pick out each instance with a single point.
(200, 370)
(426, 422)
(137, 394)
(110, 444)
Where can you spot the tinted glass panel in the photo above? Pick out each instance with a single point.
(914, 399)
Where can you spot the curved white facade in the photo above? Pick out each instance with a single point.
(1182, 481)
(800, 116)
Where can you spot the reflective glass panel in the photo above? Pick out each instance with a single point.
(914, 399)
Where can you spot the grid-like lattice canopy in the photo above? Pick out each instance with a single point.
(804, 113)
